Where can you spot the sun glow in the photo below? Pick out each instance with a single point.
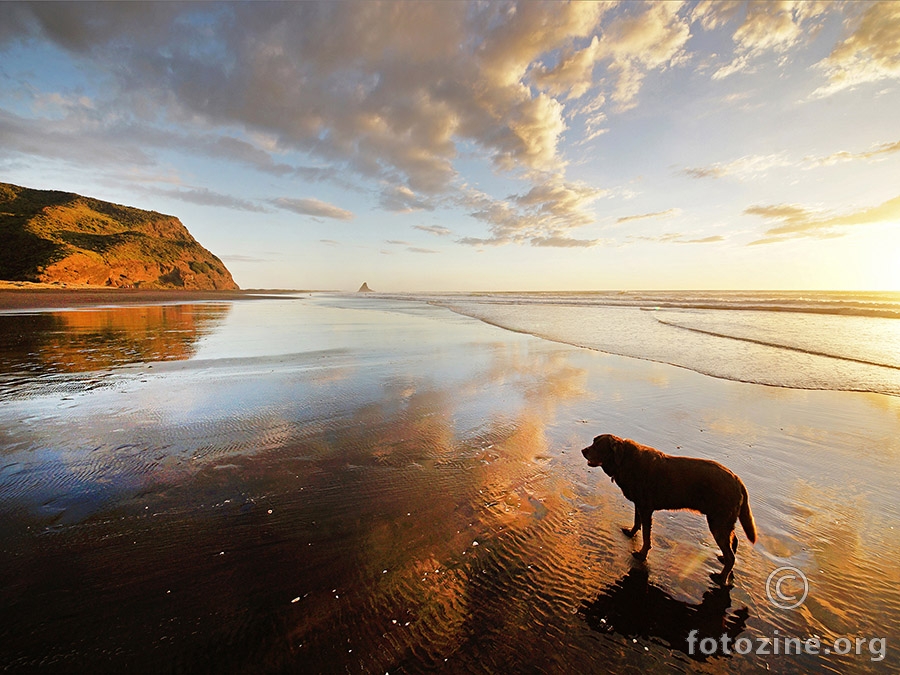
(891, 269)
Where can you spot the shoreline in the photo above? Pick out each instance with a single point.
(28, 296)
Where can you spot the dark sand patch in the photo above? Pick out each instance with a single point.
(22, 296)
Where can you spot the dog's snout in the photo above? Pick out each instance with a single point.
(590, 456)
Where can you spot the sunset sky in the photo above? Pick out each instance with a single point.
(478, 146)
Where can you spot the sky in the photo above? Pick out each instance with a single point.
(461, 146)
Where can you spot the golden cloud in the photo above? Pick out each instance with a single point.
(644, 216)
(796, 221)
(767, 26)
(871, 52)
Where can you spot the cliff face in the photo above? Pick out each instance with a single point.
(61, 237)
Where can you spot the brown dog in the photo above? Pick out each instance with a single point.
(656, 481)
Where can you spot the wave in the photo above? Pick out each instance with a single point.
(841, 303)
(847, 352)
(779, 345)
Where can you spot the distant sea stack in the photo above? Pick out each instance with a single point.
(365, 288)
(64, 238)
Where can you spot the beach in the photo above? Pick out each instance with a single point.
(345, 483)
(26, 296)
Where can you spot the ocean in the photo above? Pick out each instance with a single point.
(840, 341)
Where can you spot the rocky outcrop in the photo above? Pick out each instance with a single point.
(364, 288)
(60, 237)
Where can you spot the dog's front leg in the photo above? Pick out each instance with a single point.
(633, 530)
(646, 522)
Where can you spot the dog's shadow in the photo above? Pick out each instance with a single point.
(635, 608)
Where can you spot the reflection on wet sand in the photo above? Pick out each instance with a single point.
(634, 608)
(400, 525)
(94, 339)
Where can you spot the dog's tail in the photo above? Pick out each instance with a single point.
(746, 517)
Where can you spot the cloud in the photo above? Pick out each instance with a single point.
(676, 238)
(399, 96)
(797, 221)
(81, 29)
(643, 216)
(206, 197)
(70, 139)
(409, 247)
(241, 258)
(703, 240)
(75, 129)
(383, 92)
(754, 166)
(844, 156)
(526, 31)
(564, 202)
(572, 77)
(434, 229)
(768, 26)
(713, 13)
(638, 43)
(743, 168)
(544, 216)
(564, 242)
(870, 53)
(400, 199)
(312, 207)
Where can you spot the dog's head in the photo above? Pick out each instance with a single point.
(606, 452)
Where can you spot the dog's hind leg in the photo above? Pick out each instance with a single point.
(724, 536)
(633, 530)
(734, 545)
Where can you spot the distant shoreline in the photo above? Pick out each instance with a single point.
(24, 296)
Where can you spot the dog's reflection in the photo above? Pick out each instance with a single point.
(635, 608)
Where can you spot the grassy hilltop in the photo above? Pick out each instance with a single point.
(60, 237)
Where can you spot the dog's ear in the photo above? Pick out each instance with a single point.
(619, 449)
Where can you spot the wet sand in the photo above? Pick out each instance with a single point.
(25, 296)
(354, 484)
